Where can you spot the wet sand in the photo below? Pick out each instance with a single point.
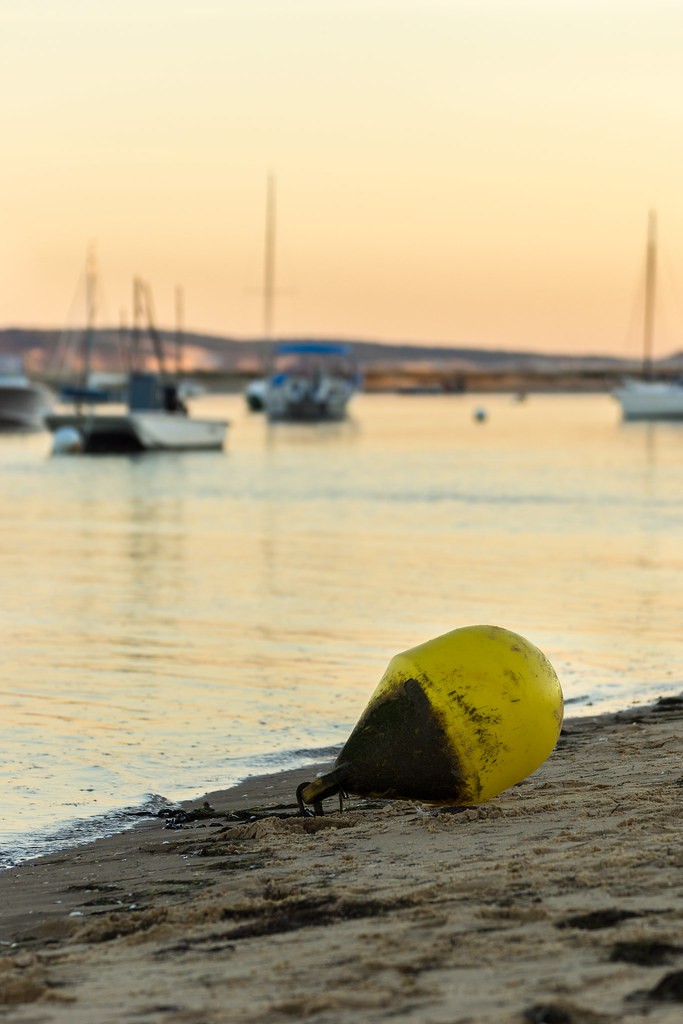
(561, 901)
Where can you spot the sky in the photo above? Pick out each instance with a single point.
(460, 172)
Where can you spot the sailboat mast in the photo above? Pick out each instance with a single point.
(179, 318)
(124, 341)
(269, 262)
(90, 312)
(650, 286)
(138, 317)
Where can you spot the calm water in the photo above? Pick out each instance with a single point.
(171, 624)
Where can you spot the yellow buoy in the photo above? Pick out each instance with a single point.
(455, 720)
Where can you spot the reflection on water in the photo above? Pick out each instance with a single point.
(171, 623)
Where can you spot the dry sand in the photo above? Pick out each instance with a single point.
(560, 901)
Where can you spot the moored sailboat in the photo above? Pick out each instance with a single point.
(646, 398)
(305, 381)
(254, 392)
(154, 418)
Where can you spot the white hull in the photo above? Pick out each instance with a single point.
(177, 432)
(23, 404)
(143, 431)
(297, 398)
(650, 400)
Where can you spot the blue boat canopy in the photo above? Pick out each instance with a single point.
(316, 348)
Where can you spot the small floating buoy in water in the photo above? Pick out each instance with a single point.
(67, 441)
(455, 720)
(480, 415)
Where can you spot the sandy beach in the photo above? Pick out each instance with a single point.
(559, 901)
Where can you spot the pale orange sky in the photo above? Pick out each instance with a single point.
(472, 172)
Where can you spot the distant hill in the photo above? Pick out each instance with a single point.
(44, 349)
(55, 355)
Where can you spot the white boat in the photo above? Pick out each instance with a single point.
(650, 399)
(154, 416)
(155, 419)
(311, 381)
(644, 397)
(23, 403)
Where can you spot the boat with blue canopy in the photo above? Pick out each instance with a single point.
(311, 381)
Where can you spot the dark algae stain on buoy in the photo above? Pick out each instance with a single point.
(455, 720)
(398, 749)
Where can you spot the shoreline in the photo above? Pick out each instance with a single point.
(388, 909)
(118, 820)
(127, 818)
